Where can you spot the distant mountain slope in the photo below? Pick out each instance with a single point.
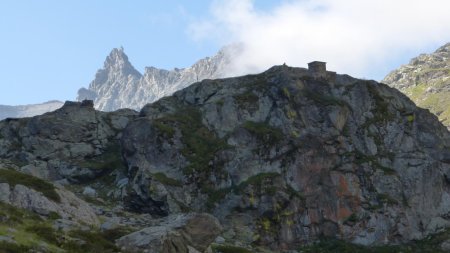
(20, 111)
(426, 80)
(119, 85)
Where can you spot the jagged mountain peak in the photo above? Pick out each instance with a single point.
(119, 85)
(117, 60)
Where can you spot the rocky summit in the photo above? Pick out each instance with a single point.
(289, 160)
(426, 80)
(119, 85)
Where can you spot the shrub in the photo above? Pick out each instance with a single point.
(163, 179)
(264, 132)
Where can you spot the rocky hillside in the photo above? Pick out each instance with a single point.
(426, 80)
(120, 85)
(21, 111)
(274, 162)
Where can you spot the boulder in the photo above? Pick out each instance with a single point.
(177, 234)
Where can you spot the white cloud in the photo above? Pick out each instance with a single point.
(353, 36)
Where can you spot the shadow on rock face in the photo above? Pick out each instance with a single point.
(137, 204)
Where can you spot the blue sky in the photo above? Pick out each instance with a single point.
(50, 48)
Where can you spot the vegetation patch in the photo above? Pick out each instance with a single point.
(229, 249)
(361, 158)
(164, 127)
(381, 111)
(163, 179)
(258, 180)
(110, 159)
(323, 99)
(214, 196)
(29, 231)
(263, 131)
(385, 198)
(14, 178)
(431, 244)
(247, 98)
(7, 247)
(200, 144)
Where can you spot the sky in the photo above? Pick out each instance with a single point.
(51, 48)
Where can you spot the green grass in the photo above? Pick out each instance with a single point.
(430, 244)
(14, 178)
(229, 249)
(200, 144)
(163, 179)
(263, 131)
(247, 100)
(214, 196)
(43, 231)
(258, 180)
(164, 128)
(110, 159)
(385, 198)
(30, 232)
(325, 100)
(6, 247)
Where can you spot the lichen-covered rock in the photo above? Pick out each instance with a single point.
(283, 158)
(176, 234)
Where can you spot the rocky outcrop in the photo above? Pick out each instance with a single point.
(426, 80)
(75, 142)
(21, 111)
(68, 207)
(187, 233)
(283, 158)
(120, 85)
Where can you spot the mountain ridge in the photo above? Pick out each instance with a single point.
(20, 111)
(119, 85)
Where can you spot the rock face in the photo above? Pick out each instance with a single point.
(283, 158)
(75, 142)
(426, 80)
(120, 85)
(20, 111)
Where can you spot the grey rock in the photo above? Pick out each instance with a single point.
(179, 233)
(8, 239)
(445, 246)
(295, 147)
(70, 207)
(5, 193)
(90, 192)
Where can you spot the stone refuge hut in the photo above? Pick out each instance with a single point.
(318, 70)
